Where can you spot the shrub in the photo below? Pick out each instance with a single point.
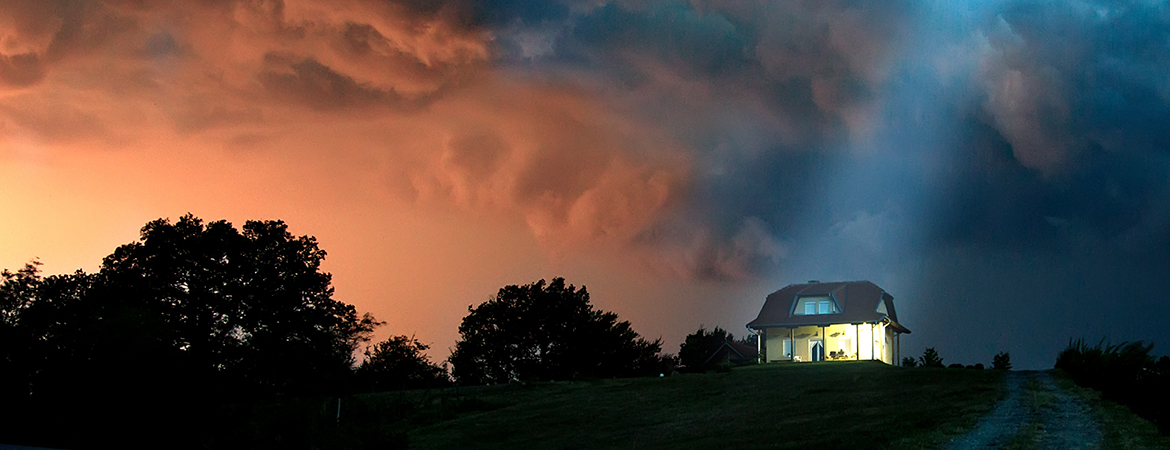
(955, 366)
(909, 362)
(399, 362)
(1125, 373)
(930, 358)
(1002, 361)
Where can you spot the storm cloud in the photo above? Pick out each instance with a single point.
(922, 145)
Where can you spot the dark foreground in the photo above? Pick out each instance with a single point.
(829, 405)
(852, 404)
(824, 405)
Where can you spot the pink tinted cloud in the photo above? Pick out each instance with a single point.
(574, 171)
(412, 84)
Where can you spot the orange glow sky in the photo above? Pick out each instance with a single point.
(425, 205)
(414, 262)
(682, 159)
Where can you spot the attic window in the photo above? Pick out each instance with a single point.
(813, 305)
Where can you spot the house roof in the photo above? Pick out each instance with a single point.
(859, 301)
(744, 351)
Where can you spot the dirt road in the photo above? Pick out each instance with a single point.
(1035, 414)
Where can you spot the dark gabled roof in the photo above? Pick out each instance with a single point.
(858, 300)
(744, 351)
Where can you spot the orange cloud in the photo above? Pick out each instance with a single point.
(573, 170)
(410, 83)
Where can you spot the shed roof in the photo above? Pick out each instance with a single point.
(743, 351)
(859, 302)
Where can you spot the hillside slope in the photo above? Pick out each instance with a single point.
(828, 405)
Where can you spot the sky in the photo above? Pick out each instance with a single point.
(1002, 168)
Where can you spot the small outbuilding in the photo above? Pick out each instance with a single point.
(837, 321)
(732, 353)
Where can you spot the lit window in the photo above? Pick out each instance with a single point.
(788, 347)
(812, 305)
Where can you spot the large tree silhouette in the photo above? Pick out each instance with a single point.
(548, 331)
(187, 319)
(252, 307)
(188, 308)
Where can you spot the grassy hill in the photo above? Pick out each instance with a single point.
(829, 405)
(820, 405)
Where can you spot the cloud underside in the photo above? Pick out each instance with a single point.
(717, 140)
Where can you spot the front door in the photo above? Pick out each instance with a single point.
(816, 350)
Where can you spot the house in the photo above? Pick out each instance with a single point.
(732, 353)
(848, 320)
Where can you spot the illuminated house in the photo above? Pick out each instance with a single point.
(850, 320)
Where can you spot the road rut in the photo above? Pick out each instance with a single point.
(1035, 414)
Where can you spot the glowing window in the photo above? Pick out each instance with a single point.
(815, 305)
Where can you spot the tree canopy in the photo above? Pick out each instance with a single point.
(698, 346)
(399, 362)
(189, 307)
(547, 331)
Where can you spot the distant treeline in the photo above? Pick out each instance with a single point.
(1126, 373)
(179, 332)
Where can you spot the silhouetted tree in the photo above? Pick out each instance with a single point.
(667, 362)
(45, 330)
(700, 345)
(548, 331)
(250, 306)
(18, 290)
(211, 308)
(1002, 361)
(930, 358)
(188, 315)
(909, 362)
(750, 339)
(399, 362)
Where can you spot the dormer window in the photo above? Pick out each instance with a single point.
(813, 305)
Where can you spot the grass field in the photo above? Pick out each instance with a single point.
(829, 405)
(819, 405)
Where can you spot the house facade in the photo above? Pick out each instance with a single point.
(837, 321)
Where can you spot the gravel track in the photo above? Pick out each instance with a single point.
(1063, 420)
(1070, 423)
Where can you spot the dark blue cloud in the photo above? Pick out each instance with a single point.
(1005, 164)
(524, 12)
(666, 33)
